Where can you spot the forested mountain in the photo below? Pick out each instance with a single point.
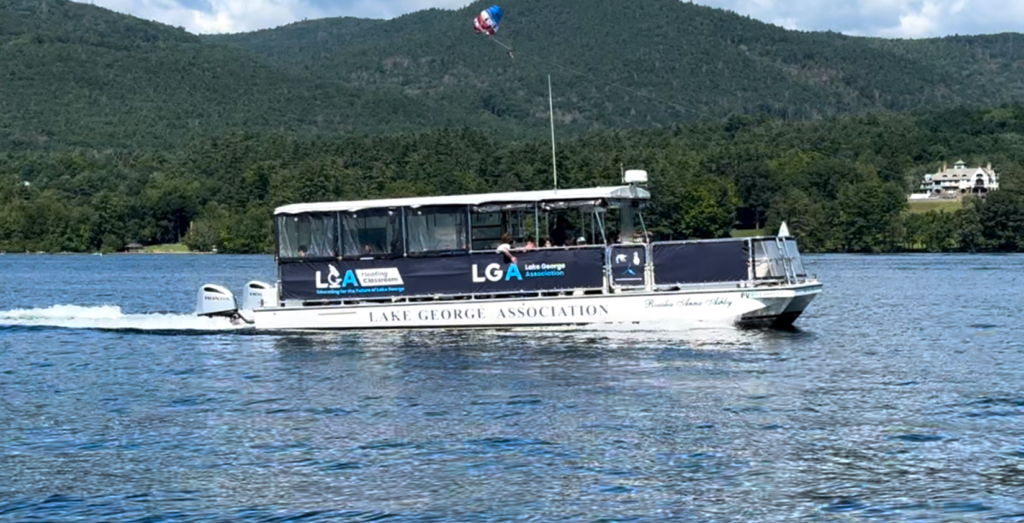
(115, 129)
(840, 184)
(670, 60)
(59, 21)
(79, 75)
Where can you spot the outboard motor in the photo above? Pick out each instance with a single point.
(258, 295)
(215, 300)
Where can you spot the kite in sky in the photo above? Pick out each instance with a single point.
(488, 20)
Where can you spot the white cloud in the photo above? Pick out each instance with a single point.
(890, 18)
(945, 17)
(788, 22)
(219, 16)
(916, 24)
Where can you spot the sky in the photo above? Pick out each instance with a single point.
(887, 18)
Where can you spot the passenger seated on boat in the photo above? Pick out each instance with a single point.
(546, 243)
(530, 245)
(367, 252)
(302, 251)
(506, 248)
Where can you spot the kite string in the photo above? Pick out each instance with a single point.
(499, 42)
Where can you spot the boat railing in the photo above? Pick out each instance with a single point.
(727, 262)
(776, 259)
(520, 250)
(628, 267)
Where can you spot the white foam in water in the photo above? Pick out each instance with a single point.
(110, 317)
(686, 325)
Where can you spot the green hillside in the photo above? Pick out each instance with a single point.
(620, 63)
(76, 75)
(840, 184)
(25, 22)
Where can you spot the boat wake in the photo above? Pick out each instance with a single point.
(110, 317)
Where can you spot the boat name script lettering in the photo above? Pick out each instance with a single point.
(689, 302)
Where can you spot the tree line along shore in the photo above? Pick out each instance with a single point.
(840, 184)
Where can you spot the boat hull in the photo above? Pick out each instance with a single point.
(778, 306)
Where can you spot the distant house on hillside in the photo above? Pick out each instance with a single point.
(957, 182)
(133, 247)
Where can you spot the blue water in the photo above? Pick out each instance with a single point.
(899, 397)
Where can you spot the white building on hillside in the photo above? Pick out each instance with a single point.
(957, 182)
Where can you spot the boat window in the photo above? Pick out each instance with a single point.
(625, 225)
(561, 230)
(436, 229)
(307, 235)
(768, 261)
(488, 223)
(591, 230)
(794, 256)
(580, 226)
(374, 232)
(597, 227)
(644, 236)
(486, 230)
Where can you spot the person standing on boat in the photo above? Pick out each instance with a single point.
(560, 234)
(506, 248)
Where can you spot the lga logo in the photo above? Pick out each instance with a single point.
(385, 277)
(494, 273)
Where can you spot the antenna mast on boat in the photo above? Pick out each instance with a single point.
(551, 110)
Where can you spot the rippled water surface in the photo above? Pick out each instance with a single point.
(898, 398)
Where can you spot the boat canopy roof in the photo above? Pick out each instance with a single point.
(587, 196)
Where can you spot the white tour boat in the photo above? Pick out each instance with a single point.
(578, 257)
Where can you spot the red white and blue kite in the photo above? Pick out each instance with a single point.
(488, 20)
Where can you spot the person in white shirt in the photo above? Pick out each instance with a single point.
(506, 248)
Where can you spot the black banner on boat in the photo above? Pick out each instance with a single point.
(699, 262)
(469, 274)
(628, 263)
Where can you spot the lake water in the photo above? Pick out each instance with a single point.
(900, 397)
